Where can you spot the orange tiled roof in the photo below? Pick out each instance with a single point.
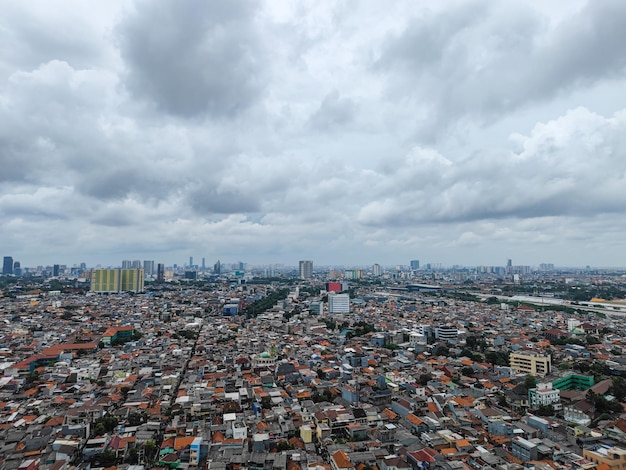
(181, 443)
(341, 459)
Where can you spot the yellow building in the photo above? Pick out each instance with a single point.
(531, 363)
(306, 433)
(614, 457)
(117, 280)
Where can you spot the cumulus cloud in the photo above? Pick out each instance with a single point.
(560, 169)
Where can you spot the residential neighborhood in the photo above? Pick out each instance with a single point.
(184, 376)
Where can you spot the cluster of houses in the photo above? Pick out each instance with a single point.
(166, 380)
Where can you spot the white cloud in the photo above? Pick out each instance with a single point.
(463, 132)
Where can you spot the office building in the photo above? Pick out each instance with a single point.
(217, 267)
(530, 363)
(17, 268)
(335, 287)
(56, 270)
(7, 265)
(339, 303)
(448, 333)
(126, 264)
(377, 270)
(415, 264)
(148, 267)
(191, 261)
(160, 272)
(117, 280)
(306, 269)
(203, 264)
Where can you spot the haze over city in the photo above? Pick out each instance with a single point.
(349, 133)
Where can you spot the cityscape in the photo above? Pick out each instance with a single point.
(230, 366)
(313, 235)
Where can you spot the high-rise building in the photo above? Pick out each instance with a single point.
(148, 267)
(377, 270)
(17, 268)
(217, 267)
(339, 303)
(127, 264)
(203, 264)
(415, 264)
(191, 261)
(7, 265)
(306, 269)
(117, 280)
(160, 272)
(55, 270)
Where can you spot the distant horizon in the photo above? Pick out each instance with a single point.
(229, 264)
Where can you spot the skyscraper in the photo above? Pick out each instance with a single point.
(415, 264)
(160, 272)
(306, 269)
(217, 267)
(191, 261)
(7, 265)
(55, 270)
(148, 267)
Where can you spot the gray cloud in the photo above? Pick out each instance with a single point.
(263, 132)
(483, 59)
(334, 112)
(194, 57)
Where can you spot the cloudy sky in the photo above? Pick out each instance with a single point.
(457, 132)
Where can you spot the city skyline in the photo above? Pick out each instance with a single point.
(466, 133)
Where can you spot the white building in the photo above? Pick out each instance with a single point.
(306, 269)
(544, 395)
(448, 333)
(339, 303)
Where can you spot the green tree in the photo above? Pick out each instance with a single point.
(148, 448)
(530, 381)
(105, 459)
(425, 378)
(618, 388)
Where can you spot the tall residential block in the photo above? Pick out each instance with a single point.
(306, 269)
(117, 280)
(377, 270)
